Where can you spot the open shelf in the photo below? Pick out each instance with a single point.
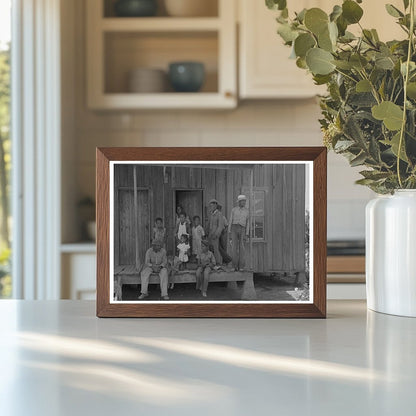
(126, 51)
(119, 45)
(210, 6)
(160, 24)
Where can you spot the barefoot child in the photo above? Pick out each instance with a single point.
(206, 263)
(182, 258)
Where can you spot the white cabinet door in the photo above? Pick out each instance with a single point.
(78, 276)
(265, 68)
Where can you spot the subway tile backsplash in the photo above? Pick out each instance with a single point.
(257, 123)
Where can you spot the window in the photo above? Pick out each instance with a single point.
(258, 222)
(5, 160)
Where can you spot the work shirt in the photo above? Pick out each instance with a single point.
(215, 225)
(206, 259)
(239, 216)
(154, 258)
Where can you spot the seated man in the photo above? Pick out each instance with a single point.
(206, 263)
(155, 262)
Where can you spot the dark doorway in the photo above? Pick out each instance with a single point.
(191, 201)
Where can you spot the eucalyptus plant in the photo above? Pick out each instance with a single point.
(369, 111)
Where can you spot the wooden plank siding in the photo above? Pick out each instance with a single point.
(284, 184)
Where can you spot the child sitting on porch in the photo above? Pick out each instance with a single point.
(159, 231)
(197, 234)
(206, 263)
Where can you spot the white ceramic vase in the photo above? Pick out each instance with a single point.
(391, 253)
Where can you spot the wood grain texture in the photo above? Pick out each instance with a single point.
(198, 310)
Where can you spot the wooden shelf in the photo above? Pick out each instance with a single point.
(160, 24)
(346, 264)
(197, 100)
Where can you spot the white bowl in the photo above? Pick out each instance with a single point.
(191, 8)
(147, 80)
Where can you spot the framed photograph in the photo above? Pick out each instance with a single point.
(211, 232)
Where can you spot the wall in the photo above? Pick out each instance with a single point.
(254, 123)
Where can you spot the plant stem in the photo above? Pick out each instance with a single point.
(405, 81)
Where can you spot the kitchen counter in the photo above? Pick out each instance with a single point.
(57, 358)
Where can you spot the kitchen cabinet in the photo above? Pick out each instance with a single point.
(78, 262)
(118, 45)
(265, 70)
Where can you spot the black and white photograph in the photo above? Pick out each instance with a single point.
(210, 232)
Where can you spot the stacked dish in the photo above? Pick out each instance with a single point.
(147, 80)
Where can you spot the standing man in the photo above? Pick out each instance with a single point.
(239, 230)
(155, 262)
(223, 238)
(215, 227)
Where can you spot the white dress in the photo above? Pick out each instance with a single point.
(183, 249)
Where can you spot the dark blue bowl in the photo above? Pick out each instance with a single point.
(135, 8)
(186, 76)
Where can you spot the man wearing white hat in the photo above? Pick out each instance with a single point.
(239, 230)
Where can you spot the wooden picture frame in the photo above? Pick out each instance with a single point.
(210, 159)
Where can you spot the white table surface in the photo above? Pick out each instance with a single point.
(57, 358)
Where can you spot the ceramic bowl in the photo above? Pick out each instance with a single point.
(186, 76)
(147, 80)
(135, 8)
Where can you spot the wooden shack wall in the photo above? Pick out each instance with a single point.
(283, 248)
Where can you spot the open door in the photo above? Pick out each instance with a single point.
(191, 201)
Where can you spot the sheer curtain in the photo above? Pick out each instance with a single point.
(36, 148)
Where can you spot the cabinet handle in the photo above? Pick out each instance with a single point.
(229, 94)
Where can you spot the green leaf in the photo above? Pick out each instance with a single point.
(316, 20)
(276, 4)
(319, 61)
(301, 63)
(374, 174)
(325, 42)
(406, 4)
(363, 86)
(336, 12)
(344, 65)
(358, 61)
(301, 15)
(351, 11)
(375, 35)
(393, 11)
(394, 145)
(347, 37)
(411, 90)
(358, 160)
(343, 145)
(303, 43)
(287, 33)
(384, 62)
(321, 79)
(388, 112)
